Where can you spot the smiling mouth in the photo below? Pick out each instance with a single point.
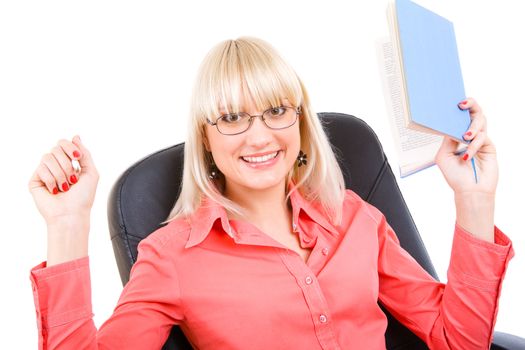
(260, 159)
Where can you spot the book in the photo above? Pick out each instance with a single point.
(423, 84)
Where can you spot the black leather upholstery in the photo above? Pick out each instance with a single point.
(145, 193)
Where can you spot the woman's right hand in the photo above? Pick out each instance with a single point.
(64, 198)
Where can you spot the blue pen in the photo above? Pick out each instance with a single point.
(474, 167)
(473, 162)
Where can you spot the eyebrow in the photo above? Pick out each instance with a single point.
(284, 102)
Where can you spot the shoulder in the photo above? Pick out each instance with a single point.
(359, 213)
(354, 205)
(171, 237)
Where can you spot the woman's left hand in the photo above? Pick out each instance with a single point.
(458, 170)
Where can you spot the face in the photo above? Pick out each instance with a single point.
(258, 159)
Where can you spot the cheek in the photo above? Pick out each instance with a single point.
(295, 140)
(215, 143)
(293, 146)
(223, 150)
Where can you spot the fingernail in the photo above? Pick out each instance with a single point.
(468, 133)
(464, 102)
(465, 156)
(55, 190)
(73, 179)
(76, 154)
(65, 187)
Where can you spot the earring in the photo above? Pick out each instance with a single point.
(214, 171)
(301, 158)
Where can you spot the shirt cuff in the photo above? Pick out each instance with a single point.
(479, 263)
(62, 292)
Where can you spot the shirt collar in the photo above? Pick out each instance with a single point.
(313, 210)
(202, 221)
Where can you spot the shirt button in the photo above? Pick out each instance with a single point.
(308, 280)
(322, 318)
(325, 251)
(294, 226)
(306, 240)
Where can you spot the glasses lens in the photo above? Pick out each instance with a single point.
(280, 117)
(234, 123)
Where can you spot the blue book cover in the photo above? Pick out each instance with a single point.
(431, 69)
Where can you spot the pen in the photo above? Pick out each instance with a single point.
(76, 165)
(474, 168)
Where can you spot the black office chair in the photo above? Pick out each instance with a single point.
(145, 193)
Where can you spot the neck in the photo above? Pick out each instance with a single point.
(261, 206)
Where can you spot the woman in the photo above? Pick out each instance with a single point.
(264, 247)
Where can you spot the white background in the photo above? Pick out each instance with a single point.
(120, 73)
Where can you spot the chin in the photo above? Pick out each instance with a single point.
(254, 183)
(264, 184)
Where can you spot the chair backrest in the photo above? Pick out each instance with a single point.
(145, 193)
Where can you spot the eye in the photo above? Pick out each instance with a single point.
(231, 118)
(277, 111)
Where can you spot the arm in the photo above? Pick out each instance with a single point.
(462, 313)
(146, 311)
(149, 304)
(458, 315)
(475, 213)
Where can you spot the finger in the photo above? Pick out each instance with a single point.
(86, 161)
(479, 121)
(478, 125)
(65, 163)
(72, 150)
(475, 145)
(42, 177)
(56, 170)
(471, 104)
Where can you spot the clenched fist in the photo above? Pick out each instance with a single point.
(64, 198)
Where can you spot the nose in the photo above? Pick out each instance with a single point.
(258, 135)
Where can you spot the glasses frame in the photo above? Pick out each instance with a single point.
(250, 121)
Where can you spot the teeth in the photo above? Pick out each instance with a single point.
(260, 159)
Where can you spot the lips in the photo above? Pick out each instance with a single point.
(260, 159)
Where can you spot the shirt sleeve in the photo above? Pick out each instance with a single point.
(458, 315)
(146, 311)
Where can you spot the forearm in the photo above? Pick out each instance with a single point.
(67, 239)
(475, 214)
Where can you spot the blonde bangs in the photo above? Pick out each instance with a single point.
(244, 70)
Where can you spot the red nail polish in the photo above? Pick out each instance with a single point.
(73, 179)
(468, 133)
(65, 187)
(76, 154)
(465, 156)
(464, 102)
(55, 190)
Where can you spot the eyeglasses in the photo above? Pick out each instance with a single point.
(274, 118)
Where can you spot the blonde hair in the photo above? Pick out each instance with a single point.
(252, 67)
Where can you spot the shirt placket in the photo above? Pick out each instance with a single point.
(314, 297)
(318, 242)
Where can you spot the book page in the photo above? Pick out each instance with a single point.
(416, 150)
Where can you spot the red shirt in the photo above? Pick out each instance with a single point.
(230, 286)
